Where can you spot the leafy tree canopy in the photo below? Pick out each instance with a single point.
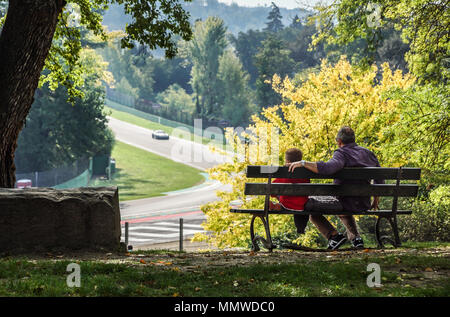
(272, 58)
(424, 24)
(236, 105)
(51, 137)
(176, 99)
(247, 45)
(204, 51)
(154, 24)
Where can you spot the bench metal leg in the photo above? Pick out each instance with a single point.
(395, 228)
(267, 242)
(386, 230)
(255, 246)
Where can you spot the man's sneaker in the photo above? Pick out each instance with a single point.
(358, 243)
(336, 241)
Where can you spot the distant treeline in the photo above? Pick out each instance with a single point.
(235, 17)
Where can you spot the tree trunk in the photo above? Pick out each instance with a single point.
(25, 41)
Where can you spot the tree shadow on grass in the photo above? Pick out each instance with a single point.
(133, 187)
(121, 176)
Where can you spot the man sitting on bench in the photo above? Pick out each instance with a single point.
(349, 154)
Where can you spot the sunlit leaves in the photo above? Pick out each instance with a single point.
(421, 136)
(424, 25)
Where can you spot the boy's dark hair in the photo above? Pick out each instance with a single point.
(293, 155)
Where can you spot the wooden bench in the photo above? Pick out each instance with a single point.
(386, 218)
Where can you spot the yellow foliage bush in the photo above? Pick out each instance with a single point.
(309, 119)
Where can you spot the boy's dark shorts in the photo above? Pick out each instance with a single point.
(316, 203)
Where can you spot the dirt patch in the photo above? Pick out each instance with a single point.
(236, 257)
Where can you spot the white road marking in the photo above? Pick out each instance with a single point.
(137, 233)
(162, 235)
(163, 226)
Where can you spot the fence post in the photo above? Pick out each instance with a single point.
(126, 234)
(181, 234)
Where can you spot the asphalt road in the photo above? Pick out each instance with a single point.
(155, 220)
(180, 150)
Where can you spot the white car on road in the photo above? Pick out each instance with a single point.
(160, 135)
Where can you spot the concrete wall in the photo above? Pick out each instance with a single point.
(39, 219)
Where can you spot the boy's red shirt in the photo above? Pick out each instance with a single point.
(292, 202)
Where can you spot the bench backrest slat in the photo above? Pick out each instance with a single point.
(361, 173)
(309, 189)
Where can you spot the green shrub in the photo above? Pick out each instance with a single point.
(428, 222)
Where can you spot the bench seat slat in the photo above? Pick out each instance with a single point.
(310, 189)
(365, 173)
(291, 212)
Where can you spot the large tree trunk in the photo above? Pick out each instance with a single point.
(24, 45)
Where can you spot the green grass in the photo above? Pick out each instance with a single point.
(141, 174)
(141, 122)
(237, 275)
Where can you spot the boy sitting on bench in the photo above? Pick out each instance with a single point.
(296, 203)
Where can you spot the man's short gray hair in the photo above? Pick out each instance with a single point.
(346, 135)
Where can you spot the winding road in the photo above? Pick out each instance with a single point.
(155, 220)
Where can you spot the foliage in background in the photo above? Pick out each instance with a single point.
(246, 46)
(52, 136)
(424, 25)
(430, 220)
(219, 82)
(204, 51)
(236, 96)
(421, 136)
(148, 74)
(274, 23)
(124, 87)
(176, 100)
(272, 58)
